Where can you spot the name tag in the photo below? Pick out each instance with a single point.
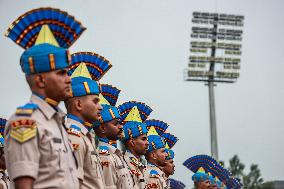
(120, 167)
(57, 140)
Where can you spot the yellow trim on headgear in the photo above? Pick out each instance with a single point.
(111, 113)
(31, 65)
(103, 100)
(201, 170)
(87, 88)
(152, 131)
(134, 115)
(81, 71)
(46, 36)
(52, 61)
(167, 146)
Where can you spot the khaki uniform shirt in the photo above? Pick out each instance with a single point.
(89, 165)
(37, 146)
(136, 169)
(155, 177)
(116, 172)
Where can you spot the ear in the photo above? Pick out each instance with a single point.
(132, 142)
(78, 104)
(153, 154)
(102, 128)
(39, 80)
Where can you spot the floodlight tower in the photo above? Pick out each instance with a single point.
(215, 56)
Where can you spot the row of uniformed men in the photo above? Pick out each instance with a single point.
(38, 136)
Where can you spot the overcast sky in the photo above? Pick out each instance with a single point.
(148, 44)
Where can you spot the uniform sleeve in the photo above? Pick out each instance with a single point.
(79, 152)
(109, 172)
(22, 154)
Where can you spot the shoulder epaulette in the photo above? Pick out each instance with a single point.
(154, 174)
(27, 109)
(103, 150)
(74, 130)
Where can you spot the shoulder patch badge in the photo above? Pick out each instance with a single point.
(103, 150)
(105, 163)
(154, 174)
(152, 185)
(22, 130)
(75, 146)
(74, 130)
(27, 109)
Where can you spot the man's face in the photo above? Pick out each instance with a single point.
(204, 184)
(113, 130)
(161, 155)
(169, 168)
(57, 84)
(213, 186)
(141, 144)
(91, 108)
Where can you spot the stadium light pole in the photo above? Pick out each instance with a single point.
(203, 68)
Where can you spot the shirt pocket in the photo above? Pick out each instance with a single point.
(57, 152)
(95, 164)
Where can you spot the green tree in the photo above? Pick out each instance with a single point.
(251, 180)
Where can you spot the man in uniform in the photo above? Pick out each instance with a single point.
(109, 130)
(156, 156)
(170, 140)
(135, 139)
(37, 151)
(4, 180)
(201, 179)
(169, 167)
(83, 109)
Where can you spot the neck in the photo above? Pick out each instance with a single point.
(135, 154)
(108, 141)
(151, 161)
(79, 118)
(50, 101)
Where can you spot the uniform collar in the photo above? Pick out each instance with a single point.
(110, 142)
(86, 125)
(161, 173)
(72, 121)
(50, 101)
(111, 148)
(128, 153)
(46, 108)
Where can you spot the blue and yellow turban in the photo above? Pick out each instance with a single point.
(109, 112)
(2, 128)
(211, 166)
(82, 83)
(97, 65)
(200, 175)
(155, 141)
(45, 34)
(133, 114)
(171, 154)
(175, 184)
